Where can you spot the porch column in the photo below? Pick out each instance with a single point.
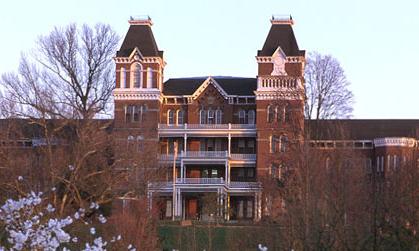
(227, 207)
(259, 206)
(229, 145)
(179, 203)
(185, 141)
(150, 200)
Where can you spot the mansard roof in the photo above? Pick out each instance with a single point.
(362, 129)
(231, 85)
(281, 35)
(140, 36)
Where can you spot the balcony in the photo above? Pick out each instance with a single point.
(207, 130)
(167, 186)
(208, 155)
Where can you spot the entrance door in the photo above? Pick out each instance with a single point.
(192, 208)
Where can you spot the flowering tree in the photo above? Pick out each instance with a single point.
(29, 225)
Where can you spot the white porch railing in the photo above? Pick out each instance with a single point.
(200, 181)
(206, 126)
(243, 156)
(204, 154)
(244, 184)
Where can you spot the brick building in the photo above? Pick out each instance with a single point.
(222, 134)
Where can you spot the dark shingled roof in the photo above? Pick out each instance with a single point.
(360, 129)
(140, 36)
(231, 85)
(281, 35)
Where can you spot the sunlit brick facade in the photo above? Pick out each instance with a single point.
(222, 134)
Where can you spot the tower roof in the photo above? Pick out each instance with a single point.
(141, 36)
(281, 35)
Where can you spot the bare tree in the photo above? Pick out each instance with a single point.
(327, 89)
(70, 74)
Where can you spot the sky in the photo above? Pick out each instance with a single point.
(376, 41)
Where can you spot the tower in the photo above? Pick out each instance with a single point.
(279, 98)
(139, 82)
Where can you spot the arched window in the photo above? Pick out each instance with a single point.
(180, 117)
(170, 117)
(211, 117)
(251, 117)
(136, 75)
(270, 114)
(284, 143)
(202, 116)
(242, 117)
(327, 163)
(287, 114)
(123, 78)
(149, 77)
(218, 116)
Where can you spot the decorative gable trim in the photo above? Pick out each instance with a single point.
(205, 84)
(136, 55)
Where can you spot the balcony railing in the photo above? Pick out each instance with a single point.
(243, 156)
(168, 185)
(272, 82)
(200, 181)
(208, 155)
(206, 126)
(204, 154)
(244, 184)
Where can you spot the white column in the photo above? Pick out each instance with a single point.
(259, 208)
(229, 144)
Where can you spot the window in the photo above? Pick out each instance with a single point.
(275, 171)
(249, 209)
(251, 146)
(180, 117)
(211, 117)
(136, 75)
(278, 113)
(202, 117)
(128, 113)
(137, 113)
(287, 114)
(270, 114)
(327, 163)
(170, 117)
(274, 144)
(242, 117)
(218, 145)
(149, 77)
(241, 145)
(284, 142)
(168, 208)
(251, 117)
(218, 116)
(123, 78)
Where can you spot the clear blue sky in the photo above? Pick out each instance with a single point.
(376, 41)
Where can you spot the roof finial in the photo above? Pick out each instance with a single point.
(140, 20)
(282, 19)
